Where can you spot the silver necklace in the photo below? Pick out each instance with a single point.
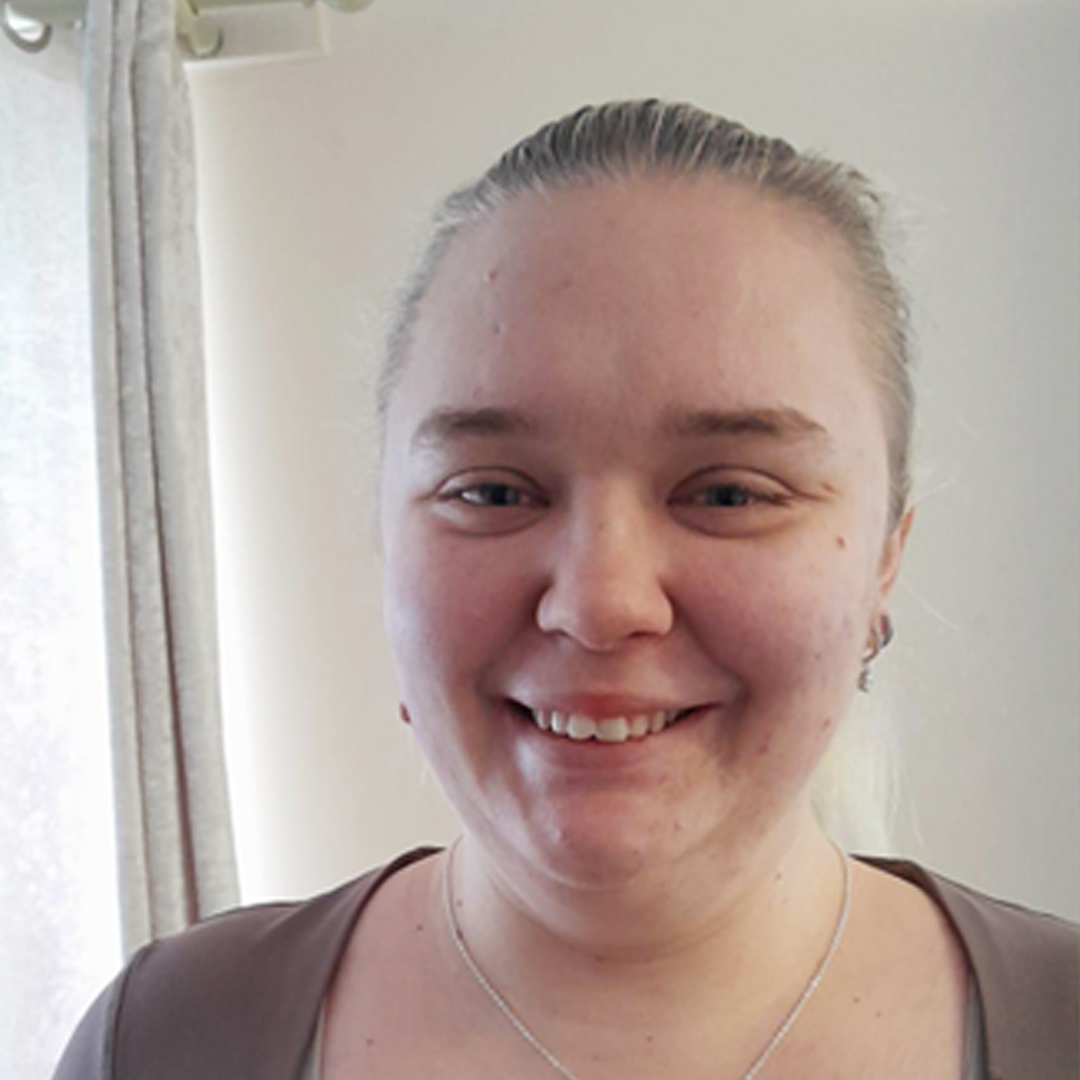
(515, 1021)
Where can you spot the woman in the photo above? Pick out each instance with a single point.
(646, 418)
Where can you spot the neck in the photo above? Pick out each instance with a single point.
(652, 953)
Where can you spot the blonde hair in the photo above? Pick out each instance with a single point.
(623, 140)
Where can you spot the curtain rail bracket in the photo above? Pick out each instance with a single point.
(40, 35)
(199, 34)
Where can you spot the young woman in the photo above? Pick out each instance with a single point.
(646, 420)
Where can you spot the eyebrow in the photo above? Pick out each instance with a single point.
(448, 425)
(786, 424)
(776, 423)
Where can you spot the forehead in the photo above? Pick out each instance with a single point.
(717, 245)
(654, 287)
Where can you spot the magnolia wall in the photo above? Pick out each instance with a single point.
(313, 176)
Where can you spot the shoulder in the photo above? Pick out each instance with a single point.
(1026, 965)
(1003, 940)
(236, 995)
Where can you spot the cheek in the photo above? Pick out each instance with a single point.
(432, 620)
(789, 631)
(449, 605)
(787, 625)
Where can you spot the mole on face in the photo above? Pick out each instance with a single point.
(841, 543)
(490, 276)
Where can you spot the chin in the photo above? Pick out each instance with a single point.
(606, 845)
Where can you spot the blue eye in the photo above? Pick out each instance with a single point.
(735, 496)
(732, 507)
(492, 502)
(491, 494)
(727, 495)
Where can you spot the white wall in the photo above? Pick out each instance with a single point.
(313, 176)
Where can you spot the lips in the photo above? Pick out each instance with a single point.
(580, 727)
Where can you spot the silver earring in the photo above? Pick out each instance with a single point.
(883, 634)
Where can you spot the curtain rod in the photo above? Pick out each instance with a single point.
(200, 34)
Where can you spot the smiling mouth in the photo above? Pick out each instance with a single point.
(610, 729)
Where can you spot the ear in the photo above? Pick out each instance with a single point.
(892, 554)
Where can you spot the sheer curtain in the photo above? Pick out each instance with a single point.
(114, 824)
(59, 926)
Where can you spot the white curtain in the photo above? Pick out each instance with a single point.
(103, 467)
(175, 843)
(59, 932)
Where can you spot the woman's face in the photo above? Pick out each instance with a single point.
(635, 473)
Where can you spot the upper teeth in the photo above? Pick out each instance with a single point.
(613, 729)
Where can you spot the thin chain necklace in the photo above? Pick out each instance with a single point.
(515, 1021)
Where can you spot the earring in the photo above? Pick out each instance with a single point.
(883, 634)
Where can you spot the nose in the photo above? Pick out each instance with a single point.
(606, 585)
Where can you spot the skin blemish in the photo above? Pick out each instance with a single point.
(496, 329)
(765, 747)
(826, 723)
(841, 543)
(491, 275)
(419, 927)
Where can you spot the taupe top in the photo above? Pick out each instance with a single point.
(239, 996)
(974, 1067)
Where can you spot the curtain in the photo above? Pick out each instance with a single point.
(59, 932)
(174, 841)
(112, 782)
